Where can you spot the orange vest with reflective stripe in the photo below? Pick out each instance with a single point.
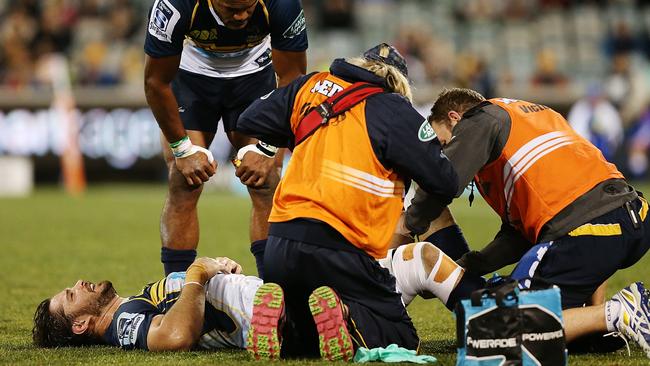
(544, 166)
(335, 177)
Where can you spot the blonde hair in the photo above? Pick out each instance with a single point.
(395, 80)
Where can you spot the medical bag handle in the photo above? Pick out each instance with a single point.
(334, 106)
(502, 292)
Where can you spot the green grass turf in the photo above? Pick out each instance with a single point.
(49, 240)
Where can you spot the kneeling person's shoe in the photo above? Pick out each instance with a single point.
(334, 338)
(632, 319)
(264, 336)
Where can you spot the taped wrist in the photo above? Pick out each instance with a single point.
(268, 150)
(259, 148)
(196, 273)
(182, 148)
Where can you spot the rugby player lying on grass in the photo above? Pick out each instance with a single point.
(205, 306)
(214, 309)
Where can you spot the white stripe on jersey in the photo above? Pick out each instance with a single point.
(223, 65)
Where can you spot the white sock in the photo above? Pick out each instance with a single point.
(612, 309)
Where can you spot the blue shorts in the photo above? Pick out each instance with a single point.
(582, 260)
(203, 100)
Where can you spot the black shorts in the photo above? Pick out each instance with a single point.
(581, 262)
(203, 100)
(368, 290)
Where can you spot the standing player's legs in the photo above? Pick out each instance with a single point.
(198, 98)
(179, 221)
(241, 92)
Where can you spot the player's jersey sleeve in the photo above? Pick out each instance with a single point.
(268, 117)
(288, 27)
(131, 324)
(168, 22)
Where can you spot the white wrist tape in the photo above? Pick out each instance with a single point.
(182, 147)
(185, 148)
(207, 152)
(251, 147)
(267, 149)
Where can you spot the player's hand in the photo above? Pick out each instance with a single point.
(197, 167)
(204, 268)
(254, 169)
(227, 265)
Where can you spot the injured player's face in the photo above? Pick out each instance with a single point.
(83, 298)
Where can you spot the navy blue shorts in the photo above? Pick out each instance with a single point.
(582, 260)
(203, 100)
(376, 308)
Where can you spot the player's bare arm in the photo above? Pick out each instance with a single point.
(180, 328)
(158, 75)
(289, 65)
(159, 72)
(254, 169)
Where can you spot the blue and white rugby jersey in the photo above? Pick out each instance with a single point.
(228, 311)
(193, 28)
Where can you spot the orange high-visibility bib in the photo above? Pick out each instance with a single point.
(335, 177)
(545, 165)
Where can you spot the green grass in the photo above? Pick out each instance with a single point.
(49, 240)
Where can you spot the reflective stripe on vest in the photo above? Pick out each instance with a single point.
(543, 167)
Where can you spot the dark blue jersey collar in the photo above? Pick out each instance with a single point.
(352, 73)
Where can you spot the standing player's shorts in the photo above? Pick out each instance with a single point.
(203, 100)
(582, 260)
(232, 296)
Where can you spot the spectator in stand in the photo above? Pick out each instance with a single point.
(337, 14)
(597, 120)
(626, 88)
(473, 73)
(639, 142)
(547, 73)
(621, 40)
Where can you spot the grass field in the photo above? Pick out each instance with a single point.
(48, 241)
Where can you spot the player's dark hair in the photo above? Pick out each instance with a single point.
(54, 329)
(454, 99)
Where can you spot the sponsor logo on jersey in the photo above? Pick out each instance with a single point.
(426, 132)
(296, 27)
(204, 35)
(127, 328)
(163, 20)
(264, 59)
(267, 95)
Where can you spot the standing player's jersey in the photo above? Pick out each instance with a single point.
(193, 28)
(228, 311)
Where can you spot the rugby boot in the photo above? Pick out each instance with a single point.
(632, 318)
(334, 340)
(265, 333)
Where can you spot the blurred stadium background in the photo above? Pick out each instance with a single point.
(590, 55)
(78, 65)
